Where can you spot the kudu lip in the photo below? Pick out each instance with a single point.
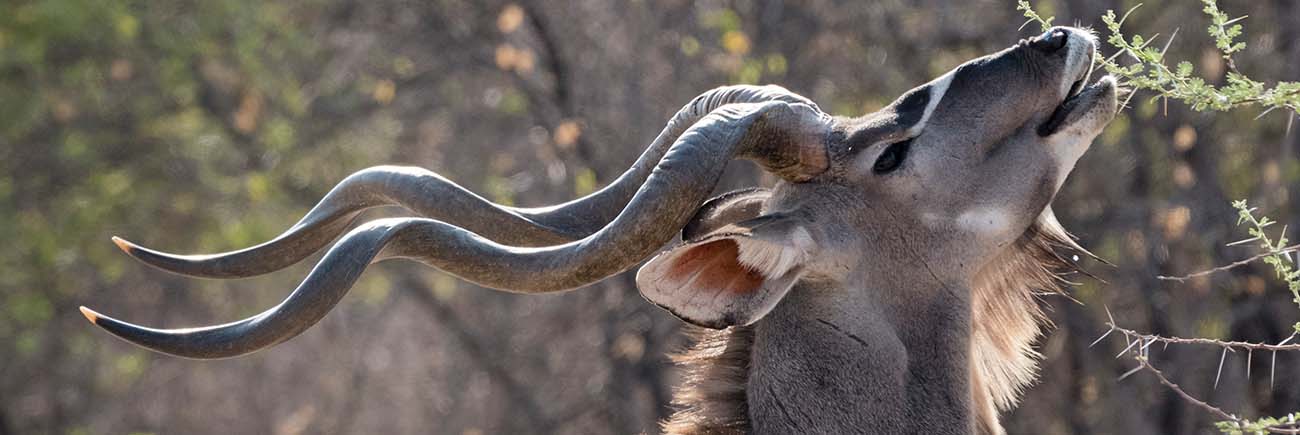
(1080, 103)
(1078, 97)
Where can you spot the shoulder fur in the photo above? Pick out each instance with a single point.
(710, 399)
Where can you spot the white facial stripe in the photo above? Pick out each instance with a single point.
(938, 87)
(987, 221)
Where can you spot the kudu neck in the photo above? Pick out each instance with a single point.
(838, 359)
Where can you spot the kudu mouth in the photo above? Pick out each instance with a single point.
(1079, 103)
(1080, 98)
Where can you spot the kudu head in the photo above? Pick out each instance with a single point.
(940, 181)
(947, 178)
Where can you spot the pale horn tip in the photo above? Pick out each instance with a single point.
(124, 245)
(90, 314)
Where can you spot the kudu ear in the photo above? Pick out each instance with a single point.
(724, 209)
(733, 275)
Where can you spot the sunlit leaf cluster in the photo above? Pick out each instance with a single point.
(1149, 70)
(1282, 262)
(1261, 426)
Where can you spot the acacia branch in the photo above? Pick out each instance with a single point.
(1139, 349)
(1235, 264)
(1145, 364)
(1207, 341)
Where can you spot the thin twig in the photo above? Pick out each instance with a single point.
(1235, 264)
(1142, 356)
(1207, 341)
(1144, 363)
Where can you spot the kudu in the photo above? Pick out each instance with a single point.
(886, 284)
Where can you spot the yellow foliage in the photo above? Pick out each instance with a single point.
(510, 19)
(249, 111)
(1184, 138)
(384, 92)
(127, 26)
(584, 182)
(403, 66)
(1183, 175)
(1174, 221)
(567, 134)
(690, 46)
(510, 58)
(735, 42)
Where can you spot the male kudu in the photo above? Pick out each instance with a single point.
(884, 285)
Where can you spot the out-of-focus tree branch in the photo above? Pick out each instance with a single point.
(521, 398)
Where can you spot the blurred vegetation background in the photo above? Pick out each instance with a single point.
(205, 126)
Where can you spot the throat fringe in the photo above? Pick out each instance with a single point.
(711, 396)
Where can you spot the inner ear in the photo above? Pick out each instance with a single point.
(733, 276)
(714, 265)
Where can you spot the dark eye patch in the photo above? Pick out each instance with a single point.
(910, 108)
(891, 123)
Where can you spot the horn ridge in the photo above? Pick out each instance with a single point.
(428, 194)
(662, 205)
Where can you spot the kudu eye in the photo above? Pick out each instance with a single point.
(892, 158)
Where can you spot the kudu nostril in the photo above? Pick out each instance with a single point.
(1051, 41)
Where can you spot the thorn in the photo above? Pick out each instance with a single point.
(1243, 241)
(1249, 355)
(1126, 14)
(1130, 346)
(1022, 26)
(1126, 100)
(1113, 56)
(91, 315)
(1103, 336)
(1129, 373)
(1220, 373)
(1162, 55)
(1149, 343)
(1150, 41)
(1272, 371)
(1265, 112)
(124, 245)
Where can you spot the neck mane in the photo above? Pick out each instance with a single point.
(1007, 321)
